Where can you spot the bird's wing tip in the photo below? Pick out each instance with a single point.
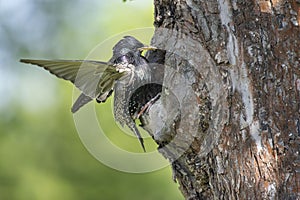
(23, 60)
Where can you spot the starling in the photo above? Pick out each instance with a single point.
(125, 73)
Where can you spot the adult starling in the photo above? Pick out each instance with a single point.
(124, 73)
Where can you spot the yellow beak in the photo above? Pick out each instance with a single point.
(147, 48)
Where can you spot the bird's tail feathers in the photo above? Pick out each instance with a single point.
(80, 101)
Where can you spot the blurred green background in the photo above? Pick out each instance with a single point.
(41, 155)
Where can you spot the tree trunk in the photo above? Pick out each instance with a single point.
(228, 119)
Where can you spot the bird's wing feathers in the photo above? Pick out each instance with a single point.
(88, 76)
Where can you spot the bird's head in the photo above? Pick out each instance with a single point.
(127, 49)
(128, 43)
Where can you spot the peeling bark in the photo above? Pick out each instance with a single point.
(229, 116)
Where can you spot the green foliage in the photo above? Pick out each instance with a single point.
(41, 155)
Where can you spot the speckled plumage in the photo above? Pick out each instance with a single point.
(124, 74)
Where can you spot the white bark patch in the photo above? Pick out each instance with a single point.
(239, 74)
(298, 84)
(255, 132)
(272, 191)
(226, 19)
(246, 92)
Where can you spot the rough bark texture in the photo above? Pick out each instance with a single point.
(229, 115)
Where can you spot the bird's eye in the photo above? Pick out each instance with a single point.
(123, 59)
(126, 58)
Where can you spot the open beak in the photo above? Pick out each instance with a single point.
(147, 48)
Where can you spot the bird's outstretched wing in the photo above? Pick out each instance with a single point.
(93, 78)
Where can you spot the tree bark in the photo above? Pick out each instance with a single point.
(228, 118)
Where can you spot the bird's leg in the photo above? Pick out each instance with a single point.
(147, 106)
